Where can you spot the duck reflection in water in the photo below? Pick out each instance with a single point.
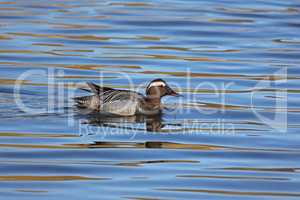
(149, 123)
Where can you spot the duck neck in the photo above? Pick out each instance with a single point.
(154, 100)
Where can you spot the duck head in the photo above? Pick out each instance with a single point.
(159, 88)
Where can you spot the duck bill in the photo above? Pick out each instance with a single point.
(172, 92)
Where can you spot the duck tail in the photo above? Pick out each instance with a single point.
(83, 102)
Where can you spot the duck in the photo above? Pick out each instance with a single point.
(120, 102)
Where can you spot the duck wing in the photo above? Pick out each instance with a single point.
(92, 101)
(120, 102)
(98, 89)
(109, 100)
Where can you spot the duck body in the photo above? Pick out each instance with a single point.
(124, 102)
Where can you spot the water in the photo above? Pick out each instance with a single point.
(233, 135)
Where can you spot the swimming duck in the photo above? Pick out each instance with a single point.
(125, 102)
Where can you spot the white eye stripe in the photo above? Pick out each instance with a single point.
(157, 84)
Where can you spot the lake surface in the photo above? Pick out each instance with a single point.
(233, 135)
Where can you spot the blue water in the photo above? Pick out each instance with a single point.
(233, 135)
